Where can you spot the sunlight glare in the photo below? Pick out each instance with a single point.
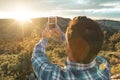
(21, 15)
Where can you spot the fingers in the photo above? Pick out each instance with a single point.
(46, 27)
(57, 26)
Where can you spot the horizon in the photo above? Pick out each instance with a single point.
(66, 17)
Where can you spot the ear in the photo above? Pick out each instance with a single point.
(68, 50)
(69, 53)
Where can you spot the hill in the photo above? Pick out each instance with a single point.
(12, 29)
(110, 24)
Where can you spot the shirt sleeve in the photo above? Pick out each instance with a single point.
(42, 67)
(41, 64)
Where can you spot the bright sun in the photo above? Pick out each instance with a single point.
(23, 19)
(21, 15)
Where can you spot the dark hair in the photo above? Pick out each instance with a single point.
(84, 30)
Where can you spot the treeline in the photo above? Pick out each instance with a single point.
(111, 42)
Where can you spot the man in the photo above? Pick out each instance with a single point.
(84, 40)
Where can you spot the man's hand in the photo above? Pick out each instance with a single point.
(57, 32)
(53, 31)
(46, 32)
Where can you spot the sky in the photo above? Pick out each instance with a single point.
(97, 9)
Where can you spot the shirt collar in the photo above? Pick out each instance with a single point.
(79, 66)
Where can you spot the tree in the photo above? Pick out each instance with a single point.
(117, 46)
(114, 39)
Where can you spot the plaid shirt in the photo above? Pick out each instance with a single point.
(98, 69)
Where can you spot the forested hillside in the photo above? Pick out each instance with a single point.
(18, 39)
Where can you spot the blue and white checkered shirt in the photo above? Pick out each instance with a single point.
(98, 69)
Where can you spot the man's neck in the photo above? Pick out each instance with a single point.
(80, 62)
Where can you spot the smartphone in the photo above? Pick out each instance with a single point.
(52, 21)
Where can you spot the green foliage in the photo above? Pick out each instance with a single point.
(7, 67)
(106, 41)
(17, 65)
(115, 69)
(115, 38)
(56, 52)
(111, 43)
(15, 61)
(117, 46)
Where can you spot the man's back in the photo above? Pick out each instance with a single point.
(98, 69)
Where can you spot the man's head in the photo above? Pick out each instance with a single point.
(84, 39)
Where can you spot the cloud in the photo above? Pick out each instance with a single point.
(59, 4)
(100, 13)
(77, 4)
(97, 8)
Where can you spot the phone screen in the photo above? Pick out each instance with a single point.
(52, 22)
